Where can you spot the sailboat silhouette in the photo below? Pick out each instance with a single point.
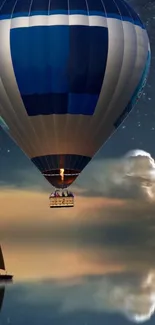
(5, 276)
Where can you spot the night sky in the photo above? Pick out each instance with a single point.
(94, 264)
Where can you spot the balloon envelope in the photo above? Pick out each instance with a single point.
(70, 72)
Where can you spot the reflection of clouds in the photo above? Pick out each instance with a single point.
(140, 308)
(110, 230)
(131, 299)
(141, 305)
(123, 293)
(116, 237)
(102, 235)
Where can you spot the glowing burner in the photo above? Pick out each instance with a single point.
(62, 174)
(61, 178)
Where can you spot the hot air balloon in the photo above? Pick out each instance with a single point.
(70, 73)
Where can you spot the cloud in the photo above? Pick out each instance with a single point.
(140, 169)
(129, 177)
(125, 293)
(131, 294)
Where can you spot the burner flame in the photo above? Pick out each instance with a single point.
(62, 174)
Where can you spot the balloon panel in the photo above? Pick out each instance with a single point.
(63, 75)
(137, 94)
(68, 77)
(50, 167)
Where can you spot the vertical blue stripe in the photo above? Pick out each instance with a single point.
(40, 59)
(59, 69)
(78, 5)
(18, 6)
(111, 7)
(88, 58)
(96, 5)
(59, 5)
(40, 5)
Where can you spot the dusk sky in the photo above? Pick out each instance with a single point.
(93, 264)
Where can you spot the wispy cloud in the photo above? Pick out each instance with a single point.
(130, 294)
(131, 177)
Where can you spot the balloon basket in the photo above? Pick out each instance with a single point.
(61, 199)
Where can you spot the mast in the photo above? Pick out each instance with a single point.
(2, 264)
(2, 292)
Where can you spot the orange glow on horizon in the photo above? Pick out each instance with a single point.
(27, 225)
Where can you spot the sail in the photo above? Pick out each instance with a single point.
(2, 265)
